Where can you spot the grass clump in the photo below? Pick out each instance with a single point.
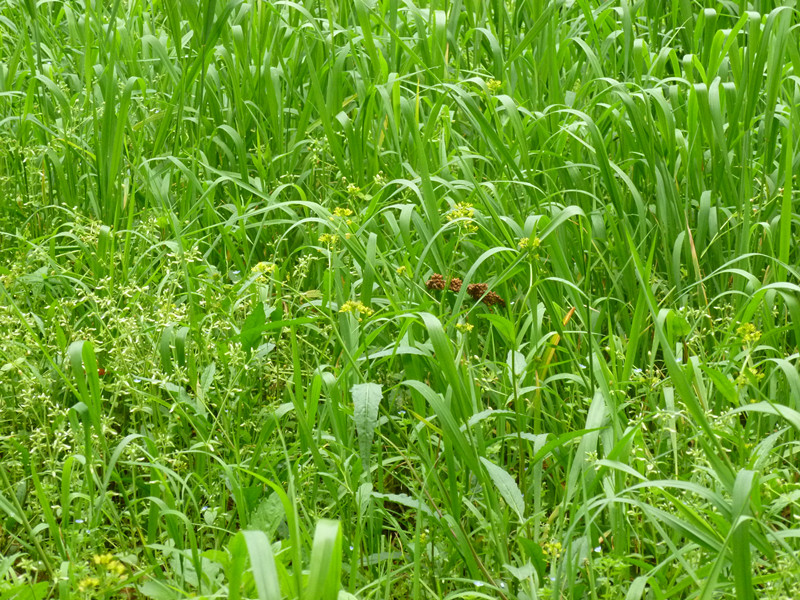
(392, 300)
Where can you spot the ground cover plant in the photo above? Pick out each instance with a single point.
(380, 299)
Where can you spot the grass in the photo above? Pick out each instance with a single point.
(376, 299)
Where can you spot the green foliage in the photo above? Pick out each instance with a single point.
(381, 299)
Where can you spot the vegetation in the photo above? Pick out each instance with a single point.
(375, 299)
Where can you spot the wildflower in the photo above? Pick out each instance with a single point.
(529, 244)
(328, 238)
(401, 270)
(436, 282)
(494, 85)
(748, 333)
(353, 306)
(263, 268)
(348, 235)
(102, 559)
(462, 210)
(116, 568)
(455, 285)
(341, 212)
(552, 549)
(748, 375)
(353, 189)
(88, 583)
(465, 327)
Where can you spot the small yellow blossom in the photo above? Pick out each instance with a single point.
(348, 235)
(749, 374)
(359, 307)
(102, 559)
(329, 238)
(461, 210)
(117, 568)
(748, 333)
(528, 243)
(342, 212)
(494, 85)
(401, 270)
(88, 583)
(263, 268)
(552, 549)
(353, 189)
(465, 327)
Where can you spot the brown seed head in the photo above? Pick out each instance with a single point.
(491, 299)
(455, 284)
(436, 282)
(476, 290)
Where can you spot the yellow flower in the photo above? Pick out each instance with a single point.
(401, 270)
(461, 210)
(748, 333)
(353, 306)
(528, 243)
(102, 559)
(342, 212)
(494, 85)
(117, 568)
(465, 327)
(552, 549)
(88, 583)
(329, 238)
(263, 268)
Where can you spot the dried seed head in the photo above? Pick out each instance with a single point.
(455, 284)
(476, 290)
(436, 282)
(491, 299)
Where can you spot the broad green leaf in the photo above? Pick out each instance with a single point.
(366, 402)
(507, 487)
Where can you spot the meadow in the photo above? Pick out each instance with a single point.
(383, 299)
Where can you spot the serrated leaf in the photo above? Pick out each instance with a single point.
(507, 487)
(366, 401)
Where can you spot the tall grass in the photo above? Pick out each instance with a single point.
(228, 367)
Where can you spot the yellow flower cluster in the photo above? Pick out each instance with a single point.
(747, 375)
(359, 307)
(460, 211)
(401, 270)
(263, 268)
(88, 583)
(342, 212)
(552, 549)
(353, 189)
(110, 563)
(494, 85)
(529, 244)
(748, 333)
(465, 327)
(329, 238)
(463, 210)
